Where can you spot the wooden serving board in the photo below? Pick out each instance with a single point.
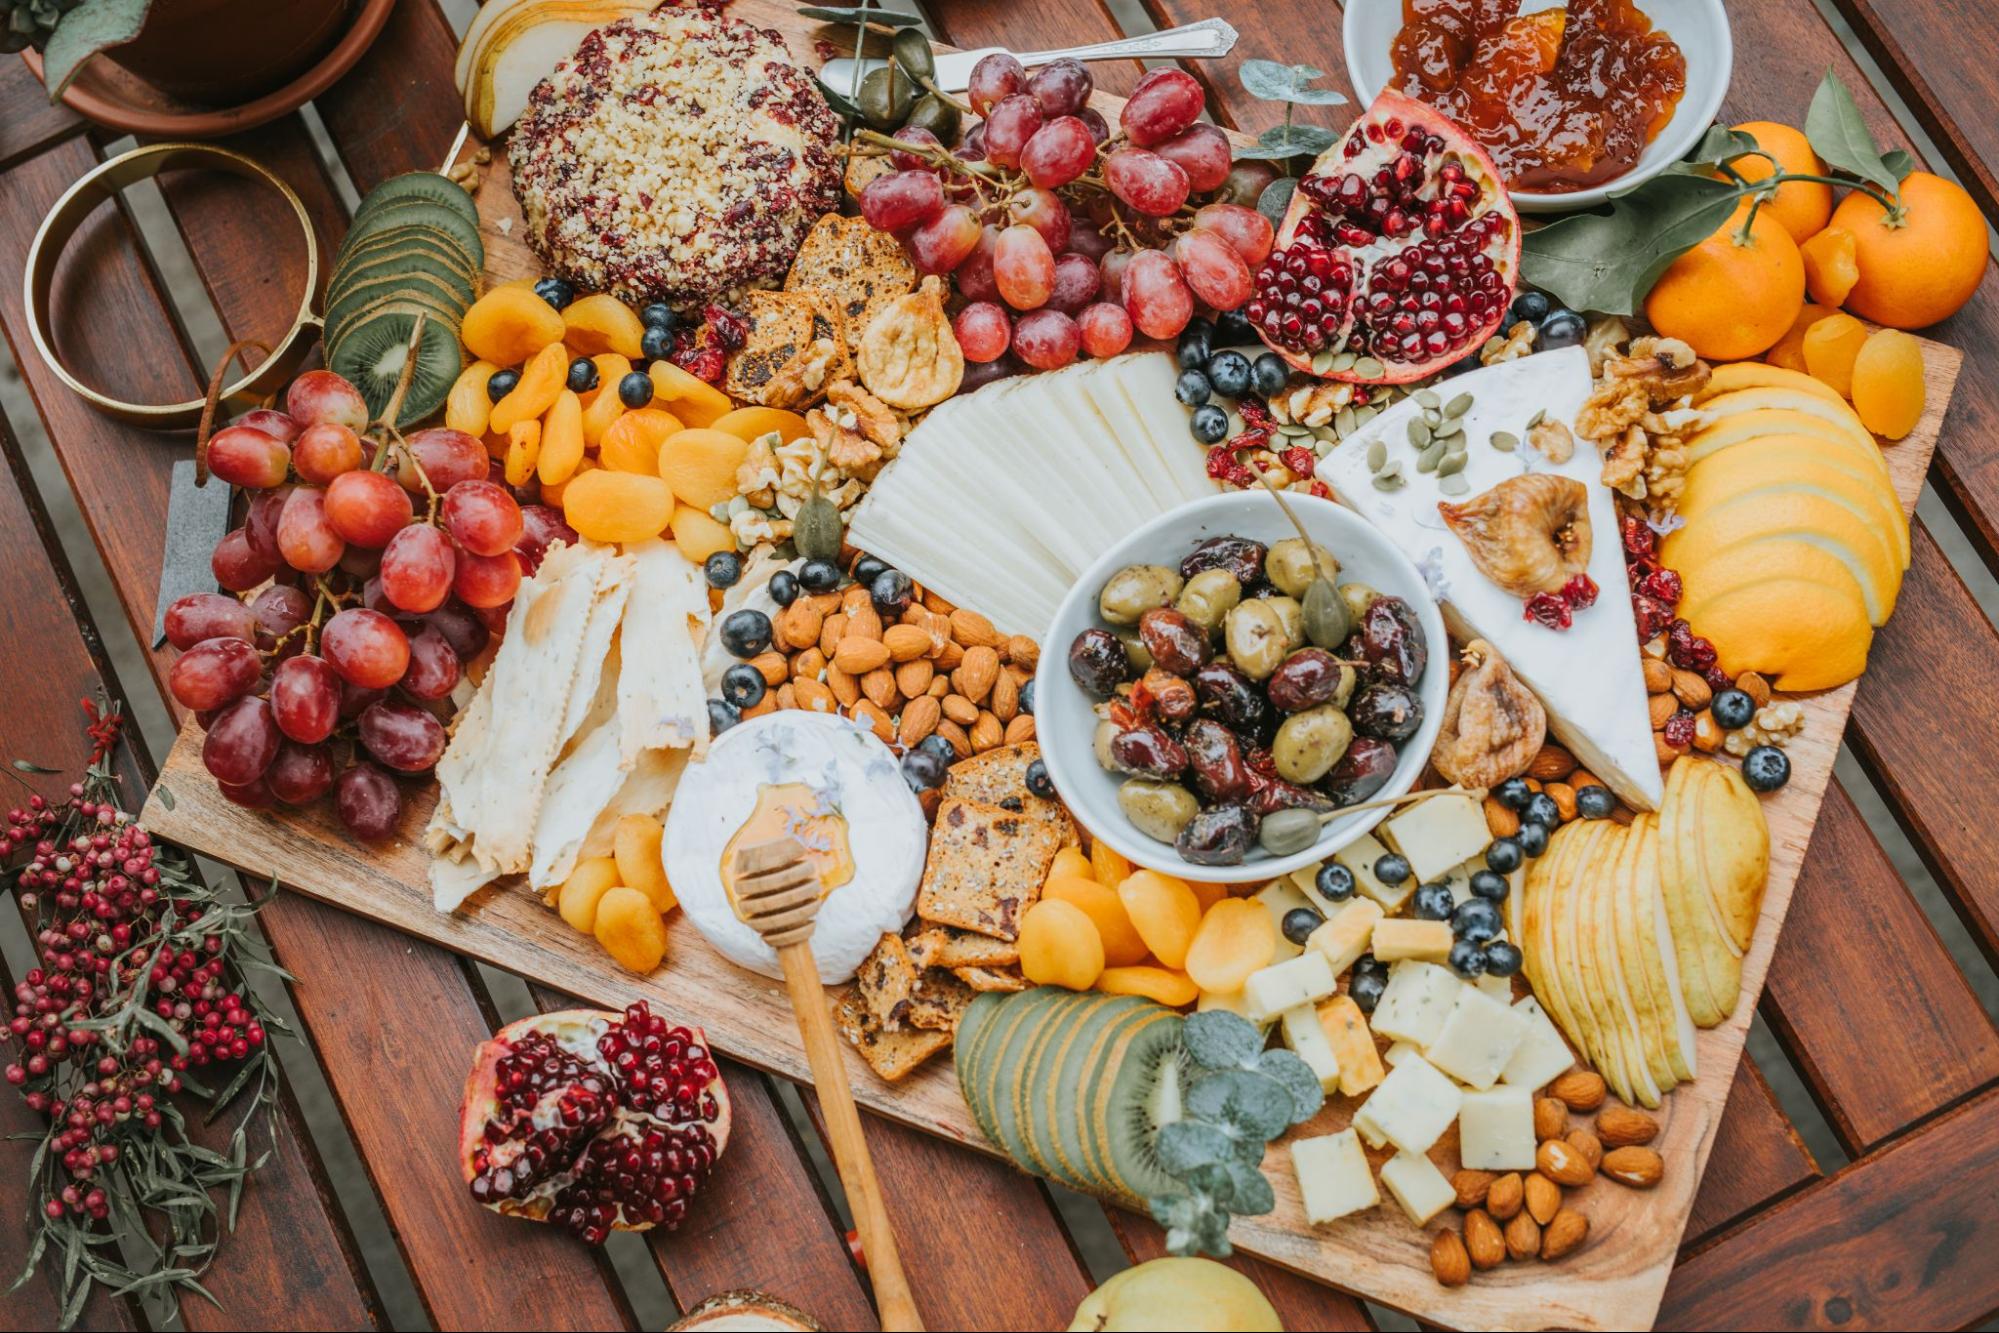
(1615, 1281)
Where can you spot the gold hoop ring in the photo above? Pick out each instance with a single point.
(103, 182)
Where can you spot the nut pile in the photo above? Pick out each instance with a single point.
(1518, 1217)
(1555, 774)
(1683, 705)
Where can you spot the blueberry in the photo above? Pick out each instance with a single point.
(743, 685)
(1233, 329)
(1541, 809)
(1299, 923)
(746, 633)
(1391, 869)
(937, 746)
(658, 315)
(1562, 328)
(867, 567)
(1229, 372)
(1733, 709)
(1502, 959)
(1334, 882)
(1530, 306)
(1367, 962)
(723, 569)
(582, 375)
(1514, 793)
(1477, 920)
(1209, 423)
(922, 770)
(1269, 374)
(1038, 781)
(635, 389)
(1533, 841)
(1467, 959)
(1766, 768)
(1432, 902)
(722, 715)
(555, 291)
(1195, 340)
(1027, 698)
(1595, 802)
(1504, 855)
(892, 592)
(502, 384)
(657, 342)
(783, 587)
(1365, 989)
(819, 575)
(1490, 884)
(1192, 388)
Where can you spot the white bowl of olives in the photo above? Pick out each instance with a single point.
(1209, 712)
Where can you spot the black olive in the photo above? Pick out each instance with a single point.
(1238, 555)
(783, 587)
(1386, 710)
(1226, 693)
(746, 633)
(1098, 663)
(1361, 772)
(819, 575)
(1221, 835)
(1392, 641)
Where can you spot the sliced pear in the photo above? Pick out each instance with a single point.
(1710, 972)
(1736, 853)
(1654, 951)
(1545, 967)
(1807, 557)
(513, 50)
(1648, 1006)
(1799, 459)
(1572, 947)
(1753, 424)
(1761, 375)
(1619, 1011)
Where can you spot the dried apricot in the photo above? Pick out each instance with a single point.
(1235, 938)
(632, 443)
(508, 325)
(1110, 865)
(1059, 946)
(1207, 895)
(1154, 983)
(1830, 347)
(523, 449)
(692, 399)
(1831, 268)
(701, 465)
(467, 408)
(631, 929)
(1122, 946)
(542, 378)
(1888, 385)
(608, 506)
(1164, 911)
(602, 323)
(636, 849)
(593, 877)
(1071, 863)
(752, 423)
(1790, 349)
(552, 495)
(561, 439)
(602, 406)
(699, 534)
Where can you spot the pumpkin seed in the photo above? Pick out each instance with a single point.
(1368, 368)
(1455, 484)
(1377, 455)
(1505, 441)
(1293, 430)
(1427, 460)
(1451, 465)
(1344, 361)
(1323, 362)
(1344, 422)
(1427, 397)
(1455, 426)
(1419, 433)
(1540, 415)
(1432, 417)
(1388, 481)
(1458, 406)
(1365, 413)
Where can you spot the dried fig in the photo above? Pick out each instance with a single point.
(1493, 725)
(908, 357)
(1529, 534)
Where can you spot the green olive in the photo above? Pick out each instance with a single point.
(1292, 617)
(1286, 831)
(1358, 597)
(1343, 692)
(1136, 589)
(885, 98)
(1107, 731)
(912, 52)
(1289, 566)
(1308, 744)
(1254, 633)
(1159, 810)
(1135, 649)
(1327, 622)
(1209, 597)
(937, 115)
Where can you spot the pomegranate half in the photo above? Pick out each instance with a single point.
(1400, 248)
(598, 1121)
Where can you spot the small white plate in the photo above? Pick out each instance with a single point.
(1699, 26)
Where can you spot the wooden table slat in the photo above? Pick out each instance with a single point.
(1757, 1159)
(397, 110)
(28, 123)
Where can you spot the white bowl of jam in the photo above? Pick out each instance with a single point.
(1666, 63)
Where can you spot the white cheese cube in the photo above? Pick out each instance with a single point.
(1278, 897)
(1301, 980)
(1542, 1056)
(1439, 833)
(1302, 1033)
(1414, 1105)
(1479, 1036)
(1415, 1002)
(1333, 1176)
(1305, 879)
(1346, 934)
(1496, 1130)
(1359, 856)
(1369, 1129)
(1499, 988)
(1398, 1052)
(1414, 1181)
(1405, 937)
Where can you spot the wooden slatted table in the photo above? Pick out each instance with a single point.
(1864, 996)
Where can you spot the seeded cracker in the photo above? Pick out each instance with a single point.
(796, 346)
(942, 946)
(988, 978)
(861, 269)
(892, 1055)
(886, 983)
(940, 1001)
(999, 777)
(986, 866)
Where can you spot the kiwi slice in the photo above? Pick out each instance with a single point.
(1086, 1062)
(421, 213)
(371, 356)
(1051, 1103)
(349, 297)
(1140, 1095)
(985, 1087)
(357, 311)
(408, 242)
(394, 264)
(1037, 1065)
(1010, 1072)
(427, 185)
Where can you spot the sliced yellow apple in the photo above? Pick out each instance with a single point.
(1708, 574)
(1709, 976)
(1629, 961)
(1654, 950)
(1833, 411)
(1551, 976)
(1761, 375)
(1818, 463)
(1623, 1013)
(1800, 510)
(1571, 941)
(1735, 852)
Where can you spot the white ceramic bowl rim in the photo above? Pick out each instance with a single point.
(1067, 724)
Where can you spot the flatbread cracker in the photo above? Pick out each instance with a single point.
(944, 946)
(990, 978)
(861, 269)
(939, 1002)
(999, 777)
(892, 1055)
(886, 983)
(986, 866)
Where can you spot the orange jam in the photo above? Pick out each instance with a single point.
(1563, 99)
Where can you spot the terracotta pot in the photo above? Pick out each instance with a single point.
(222, 52)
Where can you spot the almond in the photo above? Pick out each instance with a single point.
(1564, 797)
(787, 697)
(772, 667)
(1471, 1186)
(1552, 762)
(1707, 732)
(868, 711)
(767, 704)
(799, 623)
(1640, 1168)
(987, 732)
(1023, 652)
(1523, 1238)
(1579, 1090)
(1564, 1233)
(919, 718)
(814, 696)
(1661, 707)
(1666, 754)
(1754, 686)
(1500, 821)
(1559, 1161)
(1586, 1144)
(865, 621)
(913, 678)
(1658, 676)
(1019, 731)
(854, 596)
(829, 603)
(973, 630)
(906, 643)
(879, 686)
(831, 630)
(933, 602)
(975, 675)
(1448, 1259)
(808, 665)
(960, 709)
(1582, 777)
(1484, 1244)
(1503, 1200)
(845, 686)
(1006, 696)
(1691, 690)
(939, 687)
(1551, 1119)
(1542, 1197)
(857, 655)
(952, 732)
(950, 656)
(1621, 1126)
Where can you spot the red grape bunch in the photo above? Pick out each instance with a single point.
(365, 574)
(1061, 237)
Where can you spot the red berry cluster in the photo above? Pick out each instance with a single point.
(1655, 597)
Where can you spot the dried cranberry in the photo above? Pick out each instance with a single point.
(1663, 584)
(1718, 679)
(1653, 617)
(1580, 592)
(1679, 730)
(1550, 609)
(1639, 539)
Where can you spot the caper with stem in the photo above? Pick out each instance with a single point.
(886, 97)
(912, 52)
(1326, 621)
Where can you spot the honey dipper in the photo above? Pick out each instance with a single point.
(777, 893)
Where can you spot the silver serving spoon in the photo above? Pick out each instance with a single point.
(1208, 38)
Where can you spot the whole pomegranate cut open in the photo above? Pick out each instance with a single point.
(1400, 246)
(599, 1121)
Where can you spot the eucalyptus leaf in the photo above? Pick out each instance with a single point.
(1608, 261)
(1294, 140)
(83, 32)
(29, 766)
(1276, 199)
(1213, 1180)
(1839, 134)
(1285, 1067)
(850, 14)
(1254, 1105)
(1252, 1195)
(1274, 81)
(1218, 1039)
(1184, 1146)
